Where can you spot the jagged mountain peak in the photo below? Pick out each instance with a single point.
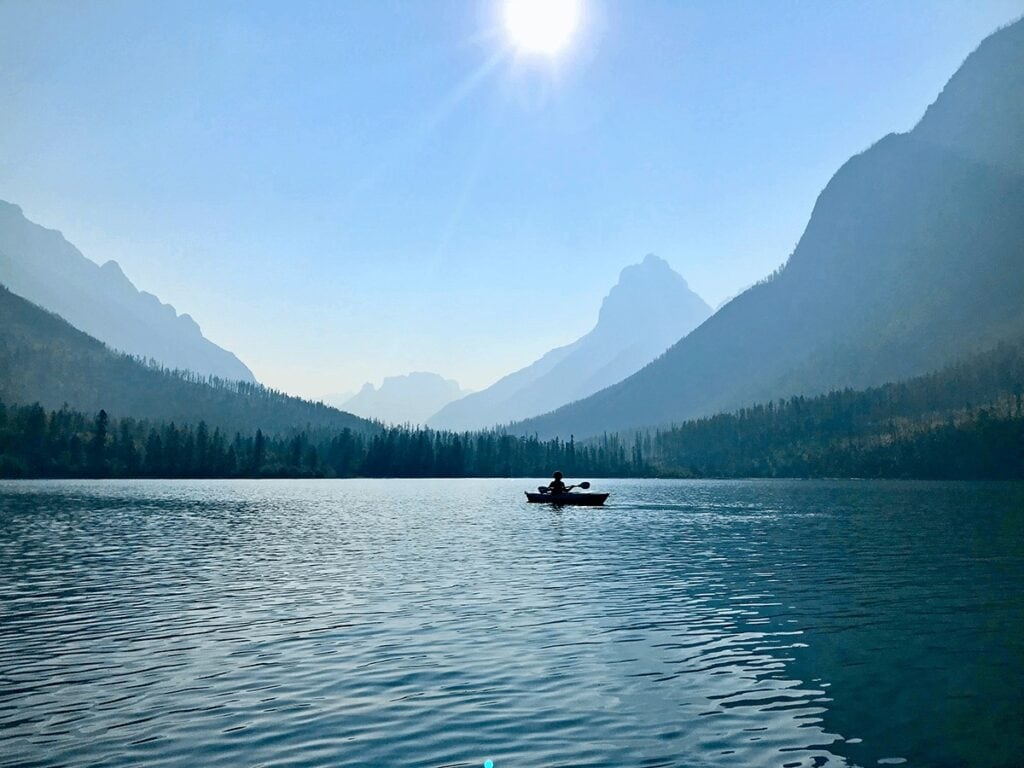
(650, 307)
(40, 265)
(409, 398)
(647, 271)
(645, 292)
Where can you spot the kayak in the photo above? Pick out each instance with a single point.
(574, 499)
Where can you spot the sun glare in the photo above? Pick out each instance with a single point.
(541, 26)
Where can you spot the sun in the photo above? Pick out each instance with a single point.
(541, 27)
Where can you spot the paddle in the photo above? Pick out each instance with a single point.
(584, 485)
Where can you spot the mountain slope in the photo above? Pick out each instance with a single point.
(40, 265)
(43, 359)
(913, 257)
(408, 399)
(650, 308)
(964, 421)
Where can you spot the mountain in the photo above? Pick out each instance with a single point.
(408, 399)
(44, 359)
(40, 265)
(913, 257)
(650, 308)
(964, 421)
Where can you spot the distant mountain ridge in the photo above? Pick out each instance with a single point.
(44, 359)
(408, 399)
(913, 258)
(650, 307)
(43, 267)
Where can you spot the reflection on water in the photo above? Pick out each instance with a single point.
(443, 623)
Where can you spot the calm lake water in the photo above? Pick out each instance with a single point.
(445, 623)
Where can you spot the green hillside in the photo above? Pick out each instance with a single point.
(43, 359)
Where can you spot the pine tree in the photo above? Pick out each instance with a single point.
(98, 446)
(259, 451)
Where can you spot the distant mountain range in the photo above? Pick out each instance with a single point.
(408, 399)
(965, 422)
(45, 360)
(650, 308)
(41, 266)
(913, 257)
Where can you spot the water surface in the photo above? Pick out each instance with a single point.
(444, 623)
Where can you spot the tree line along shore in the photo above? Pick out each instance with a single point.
(964, 422)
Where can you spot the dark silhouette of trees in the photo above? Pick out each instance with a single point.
(963, 422)
(98, 446)
(45, 360)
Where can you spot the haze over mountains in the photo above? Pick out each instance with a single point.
(41, 266)
(408, 399)
(44, 360)
(650, 308)
(913, 257)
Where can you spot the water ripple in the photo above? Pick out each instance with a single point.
(442, 623)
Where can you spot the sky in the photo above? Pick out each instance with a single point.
(343, 191)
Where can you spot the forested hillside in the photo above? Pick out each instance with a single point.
(963, 422)
(43, 359)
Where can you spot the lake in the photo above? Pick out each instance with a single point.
(446, 623)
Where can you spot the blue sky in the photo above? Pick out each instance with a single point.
(348, 190)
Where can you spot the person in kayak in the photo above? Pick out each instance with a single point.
(556, 485)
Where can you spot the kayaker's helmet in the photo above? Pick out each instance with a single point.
(558, 475)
